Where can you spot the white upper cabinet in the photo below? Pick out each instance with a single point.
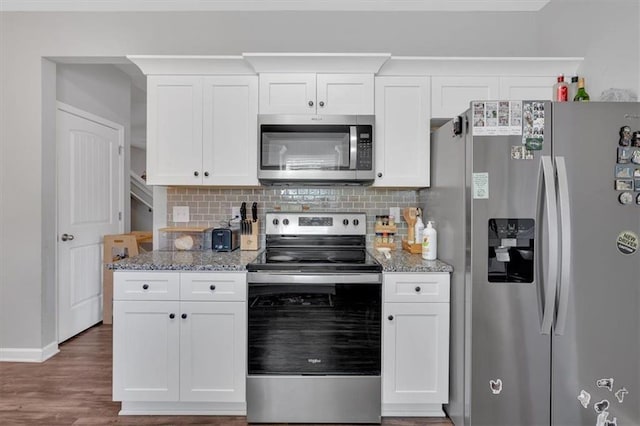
(457, 81)
(401, 137)
(451, 96)
(174, 130)
(202, 130)
(310, 93)
(230, 135)
(527, 87)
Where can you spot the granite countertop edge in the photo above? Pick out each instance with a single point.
(236, 261)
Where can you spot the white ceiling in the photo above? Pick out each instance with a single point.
(271, 5)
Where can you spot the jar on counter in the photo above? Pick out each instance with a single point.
(385, 238)
(378, 237)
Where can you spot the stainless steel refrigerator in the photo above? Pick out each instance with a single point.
(537, 207)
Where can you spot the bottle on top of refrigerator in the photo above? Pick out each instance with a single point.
(429, 242)
(581, 94)
(561, 90)
(573, 87)
(419, 228)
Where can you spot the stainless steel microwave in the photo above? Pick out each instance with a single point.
(322, 150)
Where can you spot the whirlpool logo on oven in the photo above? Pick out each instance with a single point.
(314, 360)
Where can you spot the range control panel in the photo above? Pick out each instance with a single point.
(294, 223)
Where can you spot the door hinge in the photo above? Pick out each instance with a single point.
(120, 149)
(119, 215)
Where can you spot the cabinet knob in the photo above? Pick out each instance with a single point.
(184, 316)
(206, 174)
(196, 174)
(379, 174)
(172, 316)
(310, 103)
(321, 103)
(145, 286)
(212, 287)
(390, 317)
(418, 289)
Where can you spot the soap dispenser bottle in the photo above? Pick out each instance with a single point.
(430, 242)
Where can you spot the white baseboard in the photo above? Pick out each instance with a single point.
(412, 410)
(131, 408)
(28, 355)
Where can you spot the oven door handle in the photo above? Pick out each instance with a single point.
(297, 278)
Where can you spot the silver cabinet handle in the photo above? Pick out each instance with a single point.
(547, 287)
(67, 237)
(321, 103)
(565, 266)
(310, 103)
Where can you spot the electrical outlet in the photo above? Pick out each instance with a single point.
(235, 212)
(395, 212)
(181, 213)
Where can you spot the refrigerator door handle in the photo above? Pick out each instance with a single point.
(565, 265)
(547, 287)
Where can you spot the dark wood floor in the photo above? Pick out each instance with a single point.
(74, 388)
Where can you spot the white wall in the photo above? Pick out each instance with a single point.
(27, 37)
(138, 160)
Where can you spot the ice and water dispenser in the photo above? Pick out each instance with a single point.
(511, 243)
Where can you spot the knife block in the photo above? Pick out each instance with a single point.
(251, 241)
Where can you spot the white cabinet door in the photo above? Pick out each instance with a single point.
(401, 137)
(287, 93)
(230, 141)
(523, 88)
(146, 351)
(415, 353)
(213, 351)
(452, 95)
(174, 130)
(345, 94)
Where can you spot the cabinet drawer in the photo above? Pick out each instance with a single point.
(416, 287)
(220, 286)
(146, 286)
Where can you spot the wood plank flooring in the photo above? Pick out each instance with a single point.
(74, 388)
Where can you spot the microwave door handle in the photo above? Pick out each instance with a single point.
(353, 147)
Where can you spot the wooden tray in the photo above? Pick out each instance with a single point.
(411, 248)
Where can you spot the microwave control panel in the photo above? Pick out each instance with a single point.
(365, 148)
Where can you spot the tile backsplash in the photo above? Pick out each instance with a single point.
(211, 207)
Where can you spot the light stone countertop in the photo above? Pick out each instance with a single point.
(403, 261)
(159, 260)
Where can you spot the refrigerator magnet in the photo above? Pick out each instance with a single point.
(584, 398)
(636, 184)
(495, 386)
(625, 198)
(624, 155)
(627, 242)
(624, 171)
(624, 184)
(625, 136)
(601, 406)
(605, 383)
(620, 393)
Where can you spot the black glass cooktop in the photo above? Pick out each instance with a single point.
(322, 259)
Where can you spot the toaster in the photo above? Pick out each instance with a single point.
(225, 239)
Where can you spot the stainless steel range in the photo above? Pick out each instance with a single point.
(314, 322)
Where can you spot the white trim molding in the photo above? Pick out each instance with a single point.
(271, 5)
(29, 355)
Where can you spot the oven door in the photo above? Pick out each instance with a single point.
(314, 324)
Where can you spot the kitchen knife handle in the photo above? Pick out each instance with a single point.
(254, 211)
(243, 211)
(565, 227)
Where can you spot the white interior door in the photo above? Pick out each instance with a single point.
(90, 200)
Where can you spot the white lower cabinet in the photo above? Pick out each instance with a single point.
(180, 356)
(415, 366)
